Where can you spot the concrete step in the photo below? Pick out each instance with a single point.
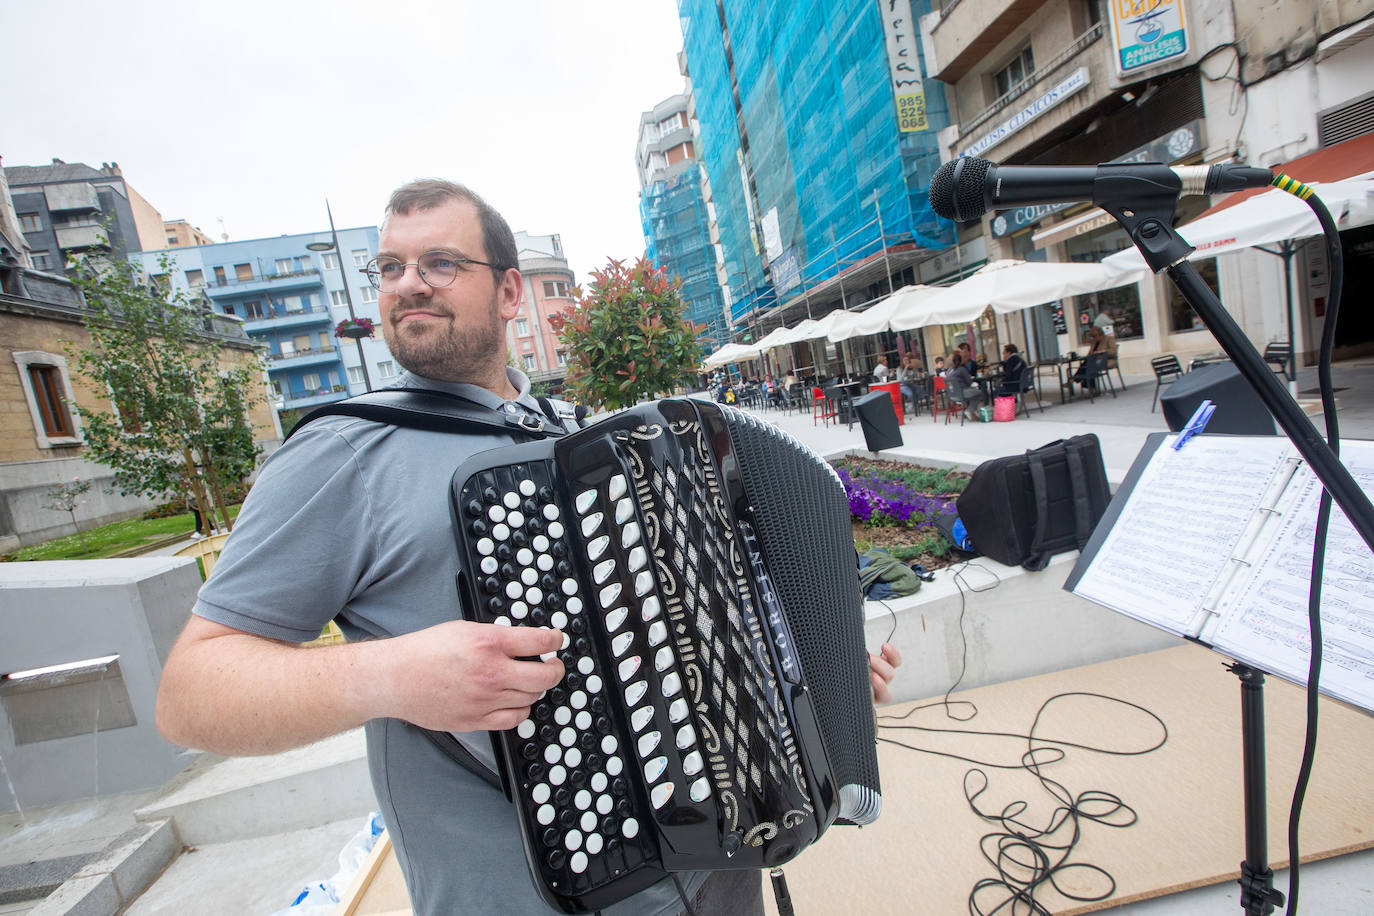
(237, 798)
(110, 882)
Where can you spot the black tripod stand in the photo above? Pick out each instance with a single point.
(1257, 893)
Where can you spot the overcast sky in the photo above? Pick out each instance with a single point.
(254, 112)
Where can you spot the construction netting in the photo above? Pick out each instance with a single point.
(808, 170)
(677, 238)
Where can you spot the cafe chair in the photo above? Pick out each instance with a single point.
(943, 394)
(1025, 386)
(1167, 371)
(1095, 373)
(1277, 353)
(1114, 363)
(822, 407)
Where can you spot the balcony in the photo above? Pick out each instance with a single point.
(277, 321)
(299, 399)
(294, 360)
(277, 283)
(970, 30)
(75, 238)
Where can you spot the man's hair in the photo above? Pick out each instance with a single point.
(1010, 348)
(428, 193)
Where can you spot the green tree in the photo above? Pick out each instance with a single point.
(66, 498)
(627, 337)
(180, 423)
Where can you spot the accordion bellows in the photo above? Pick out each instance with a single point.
(716, 710)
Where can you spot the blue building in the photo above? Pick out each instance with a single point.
(817, 178)
(291, 298)
(673, 212)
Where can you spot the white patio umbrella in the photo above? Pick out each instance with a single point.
(909, 308)
(774, 338)
(797, 333)
(730, 353)
(877, 318)
(1012, 285)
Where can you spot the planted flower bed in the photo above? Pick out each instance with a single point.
(893, 505)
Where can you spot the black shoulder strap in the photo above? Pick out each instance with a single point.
(437, 411)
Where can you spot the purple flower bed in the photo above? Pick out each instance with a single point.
(875, 499)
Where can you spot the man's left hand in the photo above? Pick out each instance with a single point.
(882, 668)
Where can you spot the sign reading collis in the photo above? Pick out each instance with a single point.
(1147, 32)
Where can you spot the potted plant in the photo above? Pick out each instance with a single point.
(355, 328)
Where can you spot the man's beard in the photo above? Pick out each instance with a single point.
(455, 354)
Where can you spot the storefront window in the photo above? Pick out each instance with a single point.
(1120, 306)
(1181, 314)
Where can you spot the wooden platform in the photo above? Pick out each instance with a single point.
(922, 856)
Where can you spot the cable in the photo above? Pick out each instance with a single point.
(960, 582)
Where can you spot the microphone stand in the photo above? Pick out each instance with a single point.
(1144, 203)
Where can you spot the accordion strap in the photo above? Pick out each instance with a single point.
(438, 411)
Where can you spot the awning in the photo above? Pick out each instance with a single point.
(1335, 163)
(1011, 285)
(1269, 217)
(730, 353)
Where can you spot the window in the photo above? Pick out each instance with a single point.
(293, 304)
(360, 257)
(1181, 314)
(522, 327)
(369, 294)
(302, 341)
(311, 381)
(219, 276)
(1015, 73)
(171, 241)
(1121, 305)
(338, 297)
(30, 222)
(355, 375)
(288, 348)
(252, 309)
(283, 265)
(195, 278)
(41, 260)
(331, 260)
(528, 360)
(386, 369)
(325, 342)
(48, 392)
(562, 357)
(243, 271)
(555, 288)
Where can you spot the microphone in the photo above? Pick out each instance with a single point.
(966, 188)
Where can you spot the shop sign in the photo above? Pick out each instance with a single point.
(786, 271)
(1075, 81)
(1147, 32)
(904, 65)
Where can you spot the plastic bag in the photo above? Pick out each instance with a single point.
(1004, 409)
(321, 897)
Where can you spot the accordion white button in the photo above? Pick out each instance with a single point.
(578, 862)
(485, 546)
(524, 556)
(654, 768)
(515, 519)
(583, 720)
(602, 571)
(567, 737)
(615, 487)
(525, 729)
(502, 621)
(608, 594)
(597, 546)
(638, 719)
(578, 700)
(534, 596)
(583, 799)
(672, 684)
(650, 608)
(558, 620)
(614, 766)
(583, 501)
(660, 794)
(496, 513)
(663, 658)
(555, 528)
(544, 562)
(540, 793)
(552, 753)
(511, 499)
(568, 586)
(567, 640)
(615, 617)
(648, 741)
(629, 535)
(603, 803)
(572, 757)
(598, 783)
(557, 775)
(562, 715)
(629, 828)
(594, 841)
(593, 682)
(489, 565)
(686, 737)
(700, 790)
(519, 610)
(691, 764)
(572, 839)
(588, 824)
(527, 487)
(514, 589)
(644, 583)
(544, 815)
(677, 710)
(627, 669)
(609, 744)
(591, 523)
(658, 632)
(620, 644)
(573, 604)
(539, 543)
(500, 532)
(585, 665)
(529, 576)
(624, 511)
(638, 557)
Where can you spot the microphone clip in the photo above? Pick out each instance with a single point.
(1145, 205)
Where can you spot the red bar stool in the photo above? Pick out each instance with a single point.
(821, 407)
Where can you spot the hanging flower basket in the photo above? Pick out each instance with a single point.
(355, 328)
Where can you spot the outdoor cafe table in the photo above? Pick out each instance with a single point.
(1064, 368)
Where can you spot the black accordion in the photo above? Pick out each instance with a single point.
(716, 711)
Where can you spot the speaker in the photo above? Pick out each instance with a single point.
(879, 421)
(1239, 408)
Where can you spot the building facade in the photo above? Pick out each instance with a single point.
(672, 210)
(180, 234)
(70, 210)
(1072, 82)
(549, 287)
(291, 297)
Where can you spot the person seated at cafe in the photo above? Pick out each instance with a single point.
(939, 366)
(909, 377)
(1012, 367)
(1098, 342)
(881, 371)
(771, 391)
(961, 385)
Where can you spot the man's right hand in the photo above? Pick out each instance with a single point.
(463, 676)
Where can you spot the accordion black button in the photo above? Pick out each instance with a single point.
(534, 526)
(548, 732)
(577, 625)
(508, 571)
(587, 740)
(520, 539)
(490, 495)
(479, 528)
(545, 495)
(619, 786)
(535, 770)
(610, 826)
(558, 696)
(552, 601)
(562, 796)
(542, 711)
(603, 725)
(504, 551)
(579, 777)
(530, 750)
(624, 808)
(491, 585)
(598, 703)
(529, 507)
(496, 605)
(573, 680)
(564, 568)
(583, 645)
(550, 836)
(593, 762)
(547, 582)
(474, 508)
(558, 549)
(556, 859)
(567, 817)
(539, 617)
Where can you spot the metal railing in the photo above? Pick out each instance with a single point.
(307, 351)
(234, 281)
(1015, 92)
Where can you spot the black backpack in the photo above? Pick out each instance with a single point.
(1024, 509)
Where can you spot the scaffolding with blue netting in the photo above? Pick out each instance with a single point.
(801, 144)
(677, 239)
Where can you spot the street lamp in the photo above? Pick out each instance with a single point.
(348, 292)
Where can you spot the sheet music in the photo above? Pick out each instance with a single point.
(1265, 623)
(1183, 523)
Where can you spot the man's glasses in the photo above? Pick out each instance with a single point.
(437, 268)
